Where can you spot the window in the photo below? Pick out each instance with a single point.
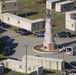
(8, 18)
(72, 25)
(14, 4)
(14, 12)
(29, 68)
(3, 5)
(20, 67)
(18, 22)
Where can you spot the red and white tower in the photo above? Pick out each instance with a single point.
(48, 43)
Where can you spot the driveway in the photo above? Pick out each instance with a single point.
(21, 41)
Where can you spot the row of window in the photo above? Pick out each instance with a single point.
(9, 19)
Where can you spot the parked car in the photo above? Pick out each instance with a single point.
(7, 50)
(63, 34)
(21, 31)
(4, 25)
(39, 34)
(73, 64)
(64, 73)
(4, 39)
(68, 73)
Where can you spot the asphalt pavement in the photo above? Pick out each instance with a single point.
(20, 43)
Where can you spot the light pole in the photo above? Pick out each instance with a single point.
(26, 57)
(57, 48)
(26, 9)
(63, 63)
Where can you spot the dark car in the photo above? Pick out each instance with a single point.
(7, 50)
(2, 24)
(4, 39)
(73, 64)
(63, 34)
(39, 34)
(21, 31)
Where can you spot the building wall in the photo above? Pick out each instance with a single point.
(69, 22)
(10, 6)
(17, 21)
(64, 7)
(0, 8)
(19, 66)
(57, 8)
(49, 63)
(51, 4)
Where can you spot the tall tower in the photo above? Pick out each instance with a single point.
(48, 43)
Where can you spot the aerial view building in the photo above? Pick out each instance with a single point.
(9, 6)
(64, 6)
(70, 20)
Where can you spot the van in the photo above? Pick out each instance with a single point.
(71, 49)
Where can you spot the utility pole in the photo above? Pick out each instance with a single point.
(26, 9)
(26, 57)
(63, 62)
(57, 48)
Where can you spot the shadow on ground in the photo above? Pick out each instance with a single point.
(48, 72)
(68, 43)
(67, 66)
(14, 45)
(7, 70)
(27, 14)
(2, 30)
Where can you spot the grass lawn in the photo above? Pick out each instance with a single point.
(35, 9)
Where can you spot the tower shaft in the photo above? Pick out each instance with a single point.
(48, 43)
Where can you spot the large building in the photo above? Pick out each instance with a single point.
(30, 25)
(64, 6)
(70, 20)
(50, 4)
(10, 6)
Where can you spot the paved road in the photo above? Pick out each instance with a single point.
(21, 41)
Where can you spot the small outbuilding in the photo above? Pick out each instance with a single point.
(19, 66)
(64, 6)
(30, 25)
(70, 20)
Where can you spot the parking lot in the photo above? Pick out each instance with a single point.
(20, 42)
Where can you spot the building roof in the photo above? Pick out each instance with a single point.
(17, 17)
(10, 1)
(53, 0)
(71, 12)
(64, 2)
(23, 19)
(37, 20)
(42, 58)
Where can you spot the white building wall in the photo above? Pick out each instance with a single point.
(57, 8)
(50, 4)
(49, 63)
(19, 66)
(64, 6)
(70, 23)
(17, 21)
